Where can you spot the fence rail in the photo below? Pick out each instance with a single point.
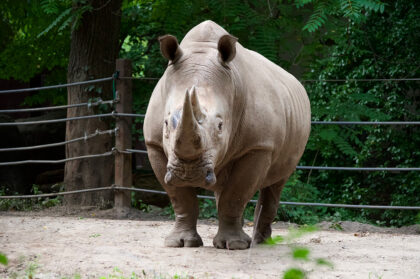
(56, 86)
(312, 80)
(365, 122)
(86, 137)
(89, 104)
(356, 168)
(106, 154)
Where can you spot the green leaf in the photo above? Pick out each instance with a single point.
(328, 134)
(56, 21)
(321, 261)
(3, 259)
(301, 253)
(274, 240)
(294, 273)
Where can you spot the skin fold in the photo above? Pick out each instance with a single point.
(226, 119)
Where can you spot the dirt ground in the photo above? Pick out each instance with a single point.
(57, 243)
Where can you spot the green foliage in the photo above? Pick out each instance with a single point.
(28, 204)
(68, 13)
(138, 203)
(339, 11)
(22, 54)
(384, 46)
(208, 209)
(297, 190)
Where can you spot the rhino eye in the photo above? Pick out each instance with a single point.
(166, 123)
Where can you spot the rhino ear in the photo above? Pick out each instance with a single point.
(227, 47)
(169, 47)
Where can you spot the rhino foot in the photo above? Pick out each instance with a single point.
(232, 241)
(183, 239)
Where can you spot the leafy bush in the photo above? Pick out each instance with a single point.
(386, 46)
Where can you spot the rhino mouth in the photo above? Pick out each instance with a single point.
(195, 173)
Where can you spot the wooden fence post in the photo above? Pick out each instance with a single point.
(123, 169)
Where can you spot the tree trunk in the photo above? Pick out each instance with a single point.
(94, 49)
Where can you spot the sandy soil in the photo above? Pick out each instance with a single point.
(91, 244)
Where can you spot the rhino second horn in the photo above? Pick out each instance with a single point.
(188, 143)
(198, 112)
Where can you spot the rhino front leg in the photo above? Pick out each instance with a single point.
(245, 179)
(184, 202)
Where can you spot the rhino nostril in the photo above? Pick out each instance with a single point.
(210, 178)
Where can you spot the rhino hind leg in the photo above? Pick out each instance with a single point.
(266, 211)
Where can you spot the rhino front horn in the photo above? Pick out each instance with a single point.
(188, 144)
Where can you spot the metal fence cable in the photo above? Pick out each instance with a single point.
(140, 78)
(56, 86)
(56, 120)
(86, 137)
(109, 153)
(128, 114)
(115, 187)
(136, 151)
(355, 168)
(89, 104)
(360, 79)
(366, 122)
(310, 80)
(57, 194)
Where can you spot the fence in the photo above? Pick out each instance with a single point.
(122, 150)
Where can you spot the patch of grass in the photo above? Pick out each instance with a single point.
(30, 271)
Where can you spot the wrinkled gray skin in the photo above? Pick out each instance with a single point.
(226, 119)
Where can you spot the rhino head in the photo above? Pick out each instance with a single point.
(197, 123)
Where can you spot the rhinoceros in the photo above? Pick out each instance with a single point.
(226, 119)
